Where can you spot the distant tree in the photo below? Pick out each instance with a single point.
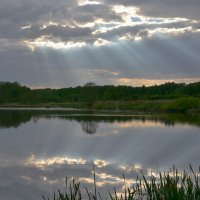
(89, 93)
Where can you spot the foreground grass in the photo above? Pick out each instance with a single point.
(171, 185)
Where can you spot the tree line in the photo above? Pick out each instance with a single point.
(16, 93)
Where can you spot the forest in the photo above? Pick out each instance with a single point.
(85, 96)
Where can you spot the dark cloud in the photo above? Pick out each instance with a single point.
(23, 11)
(66, 32)
(51, 31)
(92, 12)
(143, 30)
(34, 16)
(160, 54)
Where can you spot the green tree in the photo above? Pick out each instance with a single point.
(89, 93)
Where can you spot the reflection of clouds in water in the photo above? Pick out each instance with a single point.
(101, 163)
(138, 123)
(148, 124)
(129, 168)
(45, 163)
(43, 175)
(35, 158)
(52, 171)
(108, 174)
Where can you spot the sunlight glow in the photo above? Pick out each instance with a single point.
(49, 23)
(174, 31)
(137, 38)
(86, 2)
(151, 82)
(127, 36)
(131, 16)
(45, 42)
(125, 12)
(25, 27)
(101, 42)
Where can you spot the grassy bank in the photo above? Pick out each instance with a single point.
(172, 185)
(187, 104)
(180, 105)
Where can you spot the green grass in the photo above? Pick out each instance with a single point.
(179, 105)
(171, 185)
(186, 104)
(138, 106)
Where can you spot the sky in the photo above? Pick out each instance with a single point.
(66, 43)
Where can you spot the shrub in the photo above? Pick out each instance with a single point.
(184, 104)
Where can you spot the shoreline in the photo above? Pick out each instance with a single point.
(187, 105)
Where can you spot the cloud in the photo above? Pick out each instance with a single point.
(47, 43)
(92, 12)
(23, 11)
(138, 82)
(167, 8)
(160, 57)
(70, 20)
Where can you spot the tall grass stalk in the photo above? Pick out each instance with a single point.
(171, 185)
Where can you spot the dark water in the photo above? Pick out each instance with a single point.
(38, 149)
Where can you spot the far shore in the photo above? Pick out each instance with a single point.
(187, 105)
(129, 107)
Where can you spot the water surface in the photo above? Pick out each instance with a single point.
(39, 148)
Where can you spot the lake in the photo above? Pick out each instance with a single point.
(40, 147)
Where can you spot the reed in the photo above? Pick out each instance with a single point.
(171, 185)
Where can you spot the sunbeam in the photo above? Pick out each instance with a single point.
(75, 95)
